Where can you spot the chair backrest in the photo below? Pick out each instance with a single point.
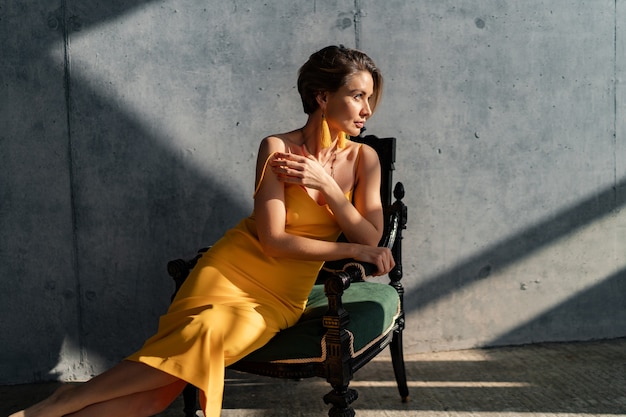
(386, 149)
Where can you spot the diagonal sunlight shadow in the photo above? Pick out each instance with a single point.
(119, 164)
(578, 310)
(517, 247)
(142, 192)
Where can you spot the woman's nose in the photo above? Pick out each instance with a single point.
(367, 110)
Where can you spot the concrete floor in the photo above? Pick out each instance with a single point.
(572, 379)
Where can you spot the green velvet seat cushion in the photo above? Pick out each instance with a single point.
(373, 307)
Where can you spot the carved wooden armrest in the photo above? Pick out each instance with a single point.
(179, 269)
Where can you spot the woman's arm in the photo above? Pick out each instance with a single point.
(362, 220)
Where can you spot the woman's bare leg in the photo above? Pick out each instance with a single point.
(142, 404)
(120, 381)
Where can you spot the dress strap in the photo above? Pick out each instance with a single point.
(287, 150)
(258, 185)
(356, 161)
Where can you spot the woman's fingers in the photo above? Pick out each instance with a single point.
(381, 257)
(284, 162)
(385, 262)
(285, 168)
(288, 158)
(298, 169)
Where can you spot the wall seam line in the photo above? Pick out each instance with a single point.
(357, 24)
(70, 154)
(615, 103)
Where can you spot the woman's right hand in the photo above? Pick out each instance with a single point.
(381, 257)
(300, 170)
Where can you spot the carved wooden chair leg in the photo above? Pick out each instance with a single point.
(190, 399)
(341, 398)
(399, 370)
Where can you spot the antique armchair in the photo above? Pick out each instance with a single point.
(347, 321)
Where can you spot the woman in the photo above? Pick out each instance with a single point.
(311, 184)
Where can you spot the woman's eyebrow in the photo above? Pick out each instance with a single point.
(360, 91)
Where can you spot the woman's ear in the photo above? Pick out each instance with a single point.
(321, 99)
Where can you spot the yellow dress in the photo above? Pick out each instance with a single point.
(235, 300)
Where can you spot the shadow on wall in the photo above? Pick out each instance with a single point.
(602, 307)
(136, 205)
(595, 311)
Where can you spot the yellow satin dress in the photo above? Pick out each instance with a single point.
(235, 300)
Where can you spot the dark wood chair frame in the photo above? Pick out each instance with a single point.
(339, 366)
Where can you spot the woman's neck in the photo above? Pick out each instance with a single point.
(311, 134)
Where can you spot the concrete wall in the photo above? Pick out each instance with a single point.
(129, 132)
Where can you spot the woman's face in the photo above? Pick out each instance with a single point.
(348, 108)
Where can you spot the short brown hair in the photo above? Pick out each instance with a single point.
(329, 69)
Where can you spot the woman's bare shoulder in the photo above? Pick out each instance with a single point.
(279, 142)
(362, 151)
